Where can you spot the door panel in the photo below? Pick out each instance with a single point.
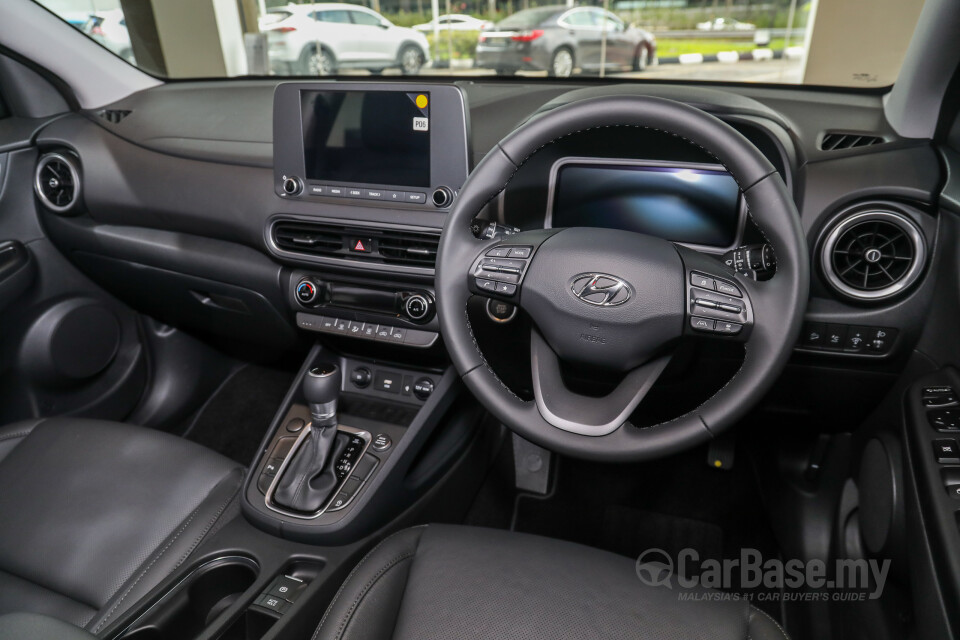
(66, 346)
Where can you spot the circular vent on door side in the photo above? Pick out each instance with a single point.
(57, 182)
(873, 255)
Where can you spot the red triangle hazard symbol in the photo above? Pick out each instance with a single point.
(359, 246)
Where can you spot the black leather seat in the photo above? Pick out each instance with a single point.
(95, 514)
(461, 582)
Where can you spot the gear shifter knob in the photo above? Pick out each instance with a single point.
(321, 388)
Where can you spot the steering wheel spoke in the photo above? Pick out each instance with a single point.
(718, 304)
(499, 268)
(587, 415)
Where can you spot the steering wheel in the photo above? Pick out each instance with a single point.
(617, 300)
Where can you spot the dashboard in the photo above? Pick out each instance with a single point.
(262, 228)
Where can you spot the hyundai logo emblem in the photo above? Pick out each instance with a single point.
(600, 289)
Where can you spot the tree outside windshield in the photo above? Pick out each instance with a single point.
(821, 42)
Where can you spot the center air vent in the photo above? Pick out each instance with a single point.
(873, 255)
(57, 182)
(375, 245)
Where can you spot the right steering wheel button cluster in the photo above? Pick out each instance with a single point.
(715, 306)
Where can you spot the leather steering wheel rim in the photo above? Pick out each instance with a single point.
(778, 304)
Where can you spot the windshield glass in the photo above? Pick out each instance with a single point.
(817, 42)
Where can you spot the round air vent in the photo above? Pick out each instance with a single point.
(873, 255)
(57, 182)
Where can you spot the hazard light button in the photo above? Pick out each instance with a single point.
(361, 245)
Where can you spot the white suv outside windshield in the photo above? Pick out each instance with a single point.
(817, 42)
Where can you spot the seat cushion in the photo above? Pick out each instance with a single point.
(460, 582)
(95, 514)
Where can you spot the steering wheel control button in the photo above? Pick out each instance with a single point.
(382, 442)
(498, 252)
(506, 289)
(939, 397)
(728, 289)
(729, 308)
(701, 324)
(728, 328)
(708, 304)
(486, 285)
(702, 281)
(944, 419)
(295, 425)
(946, 451)
(361, 377)
(306, 292)
(423, 388)
(520, 252)
(387, 381)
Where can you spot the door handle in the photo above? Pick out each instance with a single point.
(17, 270)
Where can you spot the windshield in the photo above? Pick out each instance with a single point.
(815, 42)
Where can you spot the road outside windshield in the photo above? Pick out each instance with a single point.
(818, 42)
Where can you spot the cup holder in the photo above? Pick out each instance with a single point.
(190, 606)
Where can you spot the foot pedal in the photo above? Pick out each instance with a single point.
(531, 466)
(720, 453)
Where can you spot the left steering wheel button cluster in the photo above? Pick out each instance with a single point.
(501, 268)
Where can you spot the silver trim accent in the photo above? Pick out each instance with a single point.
(46, 159)
(268, 499)
(843, 222)
(555, 170)
(590, 288)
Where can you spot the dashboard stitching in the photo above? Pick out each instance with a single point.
(510, 178)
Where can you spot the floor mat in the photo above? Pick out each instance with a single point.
(671, 504)
(235, 419)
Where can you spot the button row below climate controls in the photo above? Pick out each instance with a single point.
(367, 330)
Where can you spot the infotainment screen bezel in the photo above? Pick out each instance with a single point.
(449, 140)
(629, 162)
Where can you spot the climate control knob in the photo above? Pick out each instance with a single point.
(306, 292)
(292, 186)
(418, 307)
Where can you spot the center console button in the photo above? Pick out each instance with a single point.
(393, 196)
(341, 325)
(350, 487)
(337, 192)
(328, 324)
(397, 335)
(353, 192)
(364, 466)
(287, 588)
(295, 425)
(382, 442)
(415, 197)
(383, 333)
(374, 194)
(272, 467)
(339, 502)
(274, 603)
(370, 330)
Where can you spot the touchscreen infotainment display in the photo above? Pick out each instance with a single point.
(689, 205)
(369, 137)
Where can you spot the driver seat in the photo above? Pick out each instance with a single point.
(443, 582)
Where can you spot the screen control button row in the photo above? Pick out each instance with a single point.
(366, 193)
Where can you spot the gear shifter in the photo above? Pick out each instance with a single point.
(310, 478)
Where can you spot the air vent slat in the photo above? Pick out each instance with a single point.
(383, 246)
(872, 255)
(837, 140)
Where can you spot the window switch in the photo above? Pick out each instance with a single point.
(945, 450)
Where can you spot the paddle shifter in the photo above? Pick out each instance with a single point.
(309, 480)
